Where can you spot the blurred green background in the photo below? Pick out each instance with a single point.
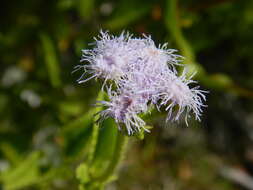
(45, 123)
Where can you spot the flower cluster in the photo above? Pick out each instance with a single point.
(138, 74)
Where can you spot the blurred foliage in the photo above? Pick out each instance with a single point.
(47, 126)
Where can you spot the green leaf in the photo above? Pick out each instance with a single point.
(105, 147)
(124, 17)
(73, 127)
(23, 175)
(82, 173)
(10, 153)
(51, 60)
(76, 134)
(85, 8)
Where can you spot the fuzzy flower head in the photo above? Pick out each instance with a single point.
(124, 108)
(106, 60)
(175, 92)
(141, 74)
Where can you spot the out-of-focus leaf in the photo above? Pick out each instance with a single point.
(85, 8)
(51, 60)
(3, 102)
(70, 108)
(79, 45)
(53, 173)
(79, 145)
(23, 175)
(66, 4)
(125, 17)
(10, 153)
(217, 81)
(76, 134)
(73, 126)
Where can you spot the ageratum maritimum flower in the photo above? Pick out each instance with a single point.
(175, 91)
(124, 108)
(108, 60)
(141, 74)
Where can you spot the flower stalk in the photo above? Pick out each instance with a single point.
(118, 155)
(95, 132)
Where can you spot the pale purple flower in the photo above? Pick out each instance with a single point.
(124, 108)
(141, 74)
(175, 92)
(114, 57)
(161, 55)
(107, 60)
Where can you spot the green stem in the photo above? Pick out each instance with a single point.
(93, 143)
(173, 26)
(117, 157)
(95, 132)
